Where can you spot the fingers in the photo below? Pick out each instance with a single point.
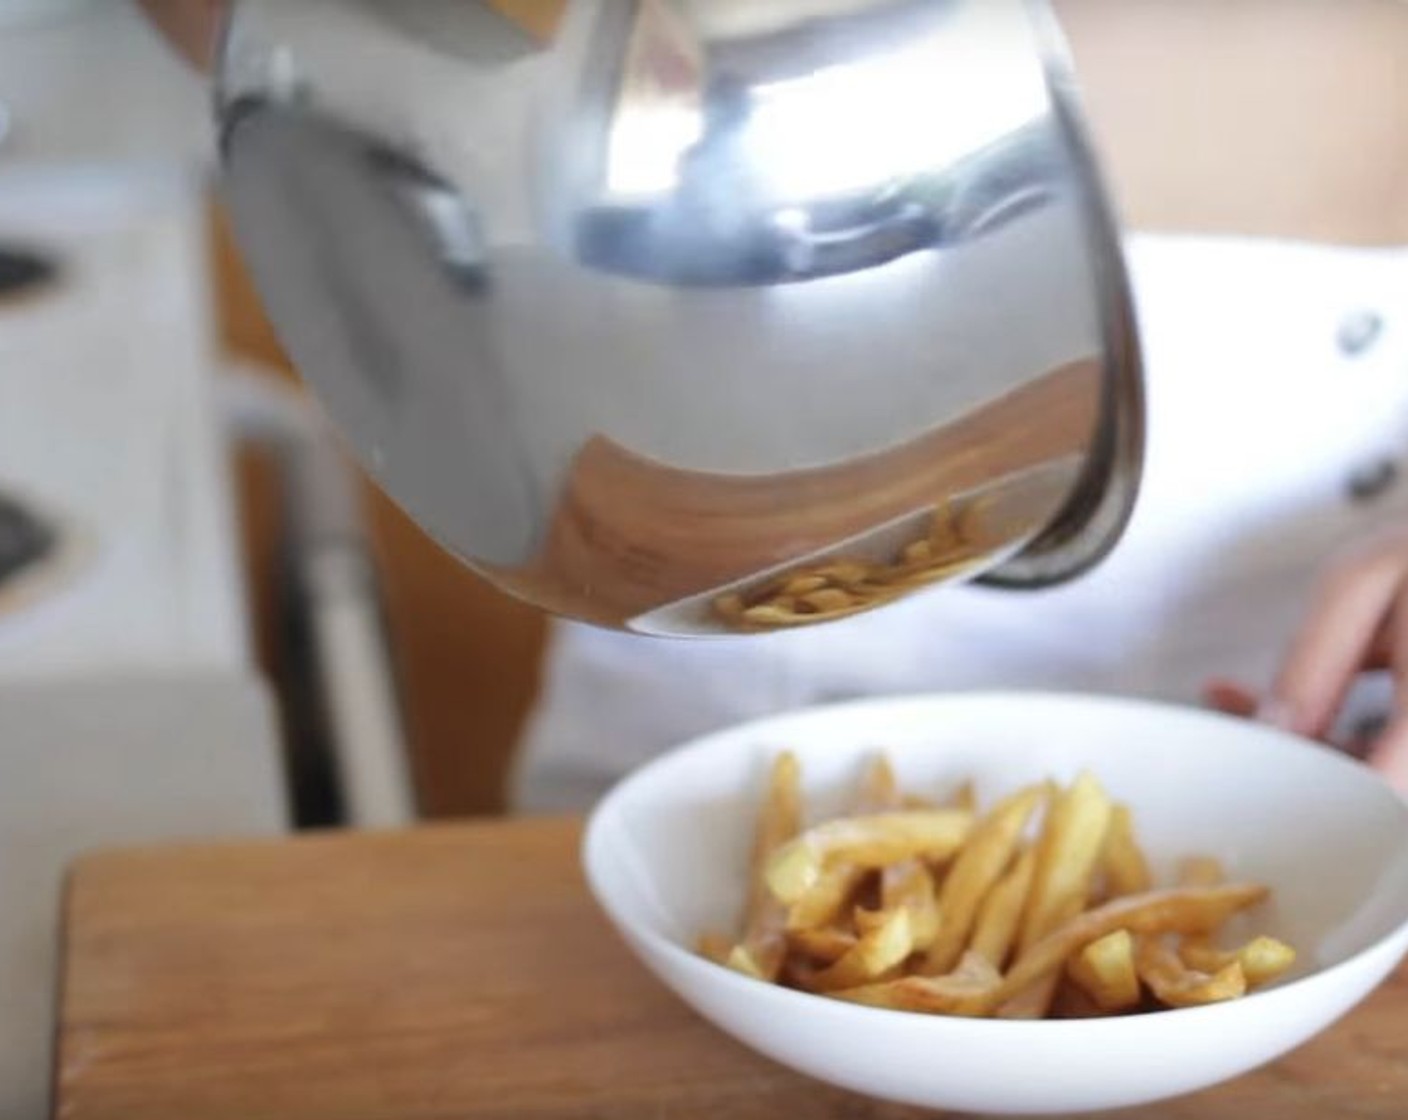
(1389, 752)
(1230, 698)
(1338, 637)
(1357, 620)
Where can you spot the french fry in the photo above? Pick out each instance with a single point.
(1263, 959)
(945, 528)
(906, 884)
(762, 958)
(868, 921)
(835, 890)
(967, 991)
(765, 922)
(1033, 1002)
(871, 841)
(909, 886)
(804, 585)
(916, 553)
(829, 600)
(1070, 845)
(879, 790)
(730, 607)
(905, 905)
(769, 614)
(1068, 853)
(827, 899)
(965, 798)
(715, 947)
(1105, 971)
(974, 872)
(845, 573)
(880, 948)
(779, 822)
(1073, 1002)
(1199, 952)
(822, 945)
(843, 587)
(1174, 984)
(1123, 862)
(741, 959)
(1176, 910)
(905, 577)
(1001, 912)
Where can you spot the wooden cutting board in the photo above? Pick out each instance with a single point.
(463, 973)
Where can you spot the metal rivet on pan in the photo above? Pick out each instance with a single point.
(1373, 480)
(1359, 331)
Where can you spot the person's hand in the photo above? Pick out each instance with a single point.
(1356, 621)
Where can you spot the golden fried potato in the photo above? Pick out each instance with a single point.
(909, 886)
(975, 871)
(829, 897)
(1174, 984)
(835, 890)
(714, 946)
(1125, 868)
(965, 797)
(1105, 971)
(966, 991)
(879, 789)
(870, 841)
(882, 946)
(903, 904)
(1263, 959)
(1001, 912)
(1066, 856)
(765, 923)
(1176, 910)
(822, 945)
(1073, 1002)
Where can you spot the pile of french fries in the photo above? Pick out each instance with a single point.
(1041, 906)
(843, 587)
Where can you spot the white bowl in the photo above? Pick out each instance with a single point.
(666, 854)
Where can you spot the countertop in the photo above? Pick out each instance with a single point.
(462, 972)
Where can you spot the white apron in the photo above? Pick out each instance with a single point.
(1278, 425)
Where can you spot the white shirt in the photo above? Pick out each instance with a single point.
(1261, 428)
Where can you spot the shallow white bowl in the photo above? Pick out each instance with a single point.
(666, 855)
